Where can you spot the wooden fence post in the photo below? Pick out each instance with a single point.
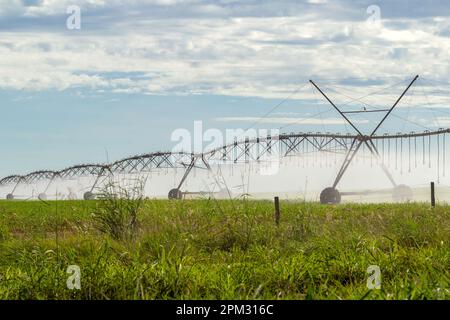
(277, 210)
(433, 197)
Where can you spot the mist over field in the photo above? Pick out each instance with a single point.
(294, 177)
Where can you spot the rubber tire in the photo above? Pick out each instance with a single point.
(10, 196)
(330, 196)
(88, 196)
(175, 194)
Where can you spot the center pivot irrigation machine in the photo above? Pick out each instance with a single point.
(259, 149)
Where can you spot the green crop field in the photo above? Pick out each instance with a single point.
(207, 249)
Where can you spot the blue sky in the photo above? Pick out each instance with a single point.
(138, 70)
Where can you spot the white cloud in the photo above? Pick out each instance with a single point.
(11, 7)
(58, 7)
(264, 56)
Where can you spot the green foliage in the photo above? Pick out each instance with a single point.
(117, 210)
(222, 250)
(4, 232)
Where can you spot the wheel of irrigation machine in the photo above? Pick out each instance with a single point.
(10, 196)
(89, 196)
(330, 196)
(402, 193)
(42, 196)
(175, 194)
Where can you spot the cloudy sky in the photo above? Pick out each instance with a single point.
(136, 71)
